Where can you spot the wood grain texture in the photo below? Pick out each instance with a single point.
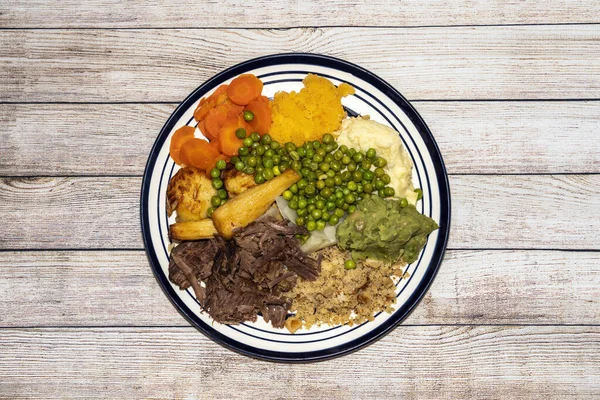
(543, 212)
(288, 13)
(87, 289)
(509, 62)
(411, 362)
(474, 137)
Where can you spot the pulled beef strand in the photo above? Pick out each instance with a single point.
(247, 275)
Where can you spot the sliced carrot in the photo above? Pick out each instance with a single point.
(262, 114)
(180, 136)
(213, 163)
(229, 143)
(206, 103)
(202, 127)
(245, 88)
(234, 110)
(198, 153)
(215, 118)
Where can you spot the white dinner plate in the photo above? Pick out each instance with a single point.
(373, 97)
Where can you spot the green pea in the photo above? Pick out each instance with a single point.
(379, 184)
(249, 170)
(310, 153)
(217, 183)
(371, 154)
(326, 216)
(240, 133)
(350, 199)
(260, 150)
(403, 202)
(234, 159)
(337, 180)
(311, 226)
(268, 174)
(352, 166)
(243, 151)
(302, 212)
(312, 177)
(215, 173)
(240, 165)
(326, 193)
(289, 146)
(311, 201)
(381, 193)
(215, 201)
(351, 152)
(344, 148)
(293, 204)
(330, 173)
(335, 165)
(293, 188)
(316, 144)
(259, 178)
(346, 191)
(252, 161)
(320, 225)
(324, 167)
(366, 165)
(346, 160)
(419, 193)
(320, 184)
(379, 172)
(346, 176)
(389, 191)
(296, 165)
(317, 158)
(269, 152)
(329, 147)
(330, 205)
(302, 183)
(339, 194)
(310, 189)
(287, 195)
(345, 206)
(320, 204)
(339, 212)
(276, 170)
(300, 221)
(349, 264)
(302, 203)
(351, 209)
(255, 145)
(255, 136)
(248, 116)
(301, 151)
(311, 207)
(339, 202)
(358, 157)
(210, 211)
(357, 176)
(368, 176)
(380, 162)
(333, 220)
(352, 186)
(267, 163)
(221, 165)
(386, 179)
(328, 158)
(338, 155)
(222, 193)
(260, 168)
(368, 188)
(321, 152)
(327, 138)
(281, 151)
(276, 159)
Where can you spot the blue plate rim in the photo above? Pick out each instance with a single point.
(445, 209)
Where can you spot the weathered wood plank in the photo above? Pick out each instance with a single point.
(79, 288)
(113, 139)
(543, 212)
(413, 362)
(510, 62)
(287, 13)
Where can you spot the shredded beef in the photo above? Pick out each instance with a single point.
(247, 275)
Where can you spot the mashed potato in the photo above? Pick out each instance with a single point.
(363, 134)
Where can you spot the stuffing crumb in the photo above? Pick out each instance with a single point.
(341, 296)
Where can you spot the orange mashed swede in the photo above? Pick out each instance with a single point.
(308, 114)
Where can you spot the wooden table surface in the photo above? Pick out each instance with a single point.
(510, 90)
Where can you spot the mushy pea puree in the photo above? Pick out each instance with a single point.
(362, 134)
(384, 230)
